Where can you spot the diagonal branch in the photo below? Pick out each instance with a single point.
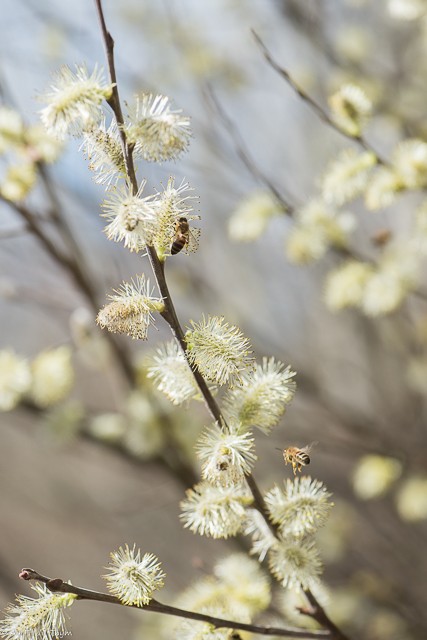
(170, 314)
(245, 156)
(71, 267)
(57, 585)
(315, 106)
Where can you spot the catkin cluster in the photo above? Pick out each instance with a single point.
(251, 395)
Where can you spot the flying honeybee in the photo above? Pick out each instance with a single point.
(297, 457)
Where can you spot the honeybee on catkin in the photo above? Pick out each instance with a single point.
(298, 457)
(181, 237)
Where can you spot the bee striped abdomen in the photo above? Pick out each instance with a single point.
(304, 458)
(181, 237)
(177, 245)
(297, 457)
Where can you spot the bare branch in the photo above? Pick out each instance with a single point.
(170, 314)
(316, 107)
(317, 612)
(244, 154)
(57, 585)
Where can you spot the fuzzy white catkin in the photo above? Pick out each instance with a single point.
(133, 577)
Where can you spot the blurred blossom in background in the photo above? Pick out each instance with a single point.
(88, 455)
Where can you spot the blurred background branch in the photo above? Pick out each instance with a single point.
(361, 380)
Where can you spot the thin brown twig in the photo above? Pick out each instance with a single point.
(66, 230)
(170, 314)
(249, 162)
(315, 106)
(72, 269)
(245, 156)
(318, 613)
(32, 225)
(57, 585)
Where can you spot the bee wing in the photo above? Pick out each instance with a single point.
(309, 447)
(193, 240)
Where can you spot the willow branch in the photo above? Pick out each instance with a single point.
(317, 612)
(170, 314)
(245, 156)
(58, 586)
(247, 159)
(72, 269)
(315, 106)
(60, 220)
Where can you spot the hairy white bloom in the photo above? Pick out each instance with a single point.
(145, 437)
(384, 293)
(263, 395)
(227, 455)
(351, 108)
(410, 162)
(345, 285)
(216, 512)
(108, 427)
(383, 185)
(247, 585)
(295, 563)
(18, 181)
(15, 379)
(133, 578)
(171, 374)
(42, 618)
(251, 217)
(158, 132)
(220, 350)
(11, 128)
(239, 586)
(305, 244)
(52, 376)
(394, 278)
(318, 225)
(102, 147)
(262, 537)
(411, 499)
(354, 43)
(374, 475)
(300, 508)
(334, 224)
(130, 309)
(205, 592)
(172, 204)
(41, 145)
(74, 100)
(347, 176)
(193, 630)
(133, 219)
(407, 9)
